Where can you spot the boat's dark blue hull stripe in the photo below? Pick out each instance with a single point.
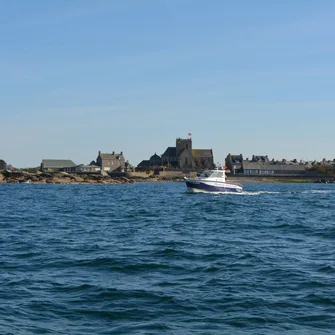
(210, 188)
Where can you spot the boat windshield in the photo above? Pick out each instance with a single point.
(212, 174)
(217, 174)
(205, 174)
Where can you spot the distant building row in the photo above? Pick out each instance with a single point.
(183, 156)
(261, 165)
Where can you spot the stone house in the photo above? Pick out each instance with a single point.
(53, 165)
(109, 162)
(183, 156)
(203, 158)
(235, 163)
(3, 165)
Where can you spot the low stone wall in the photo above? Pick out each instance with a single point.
(171, 174)
(139, 174)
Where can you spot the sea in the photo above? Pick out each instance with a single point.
(151, 258)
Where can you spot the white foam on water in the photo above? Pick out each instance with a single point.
(253, 193)
(258, 193)
(319, 191)
(261, 192)
(242, 193)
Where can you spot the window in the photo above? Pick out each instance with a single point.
(205, 174)
(217, 174)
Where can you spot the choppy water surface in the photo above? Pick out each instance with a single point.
(150, 258)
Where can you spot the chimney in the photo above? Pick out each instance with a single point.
(121, 153)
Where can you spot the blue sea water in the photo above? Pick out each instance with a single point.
(150, 258)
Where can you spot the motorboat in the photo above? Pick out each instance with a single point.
(212, 181)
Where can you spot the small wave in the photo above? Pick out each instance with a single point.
(318, 191)
(327, 269)
(260, 193)
(319, 320)
(319, 300)
(27, 255)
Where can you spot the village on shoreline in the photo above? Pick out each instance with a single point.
(175, 163)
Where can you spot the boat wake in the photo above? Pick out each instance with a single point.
(319, 191)
(255, 193)
(235, 193)
(260, 192)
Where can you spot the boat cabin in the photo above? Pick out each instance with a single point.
(213, 174)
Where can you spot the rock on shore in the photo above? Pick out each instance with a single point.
(69, 178)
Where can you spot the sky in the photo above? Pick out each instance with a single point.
(251, 77)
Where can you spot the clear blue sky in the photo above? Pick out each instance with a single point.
(251, 77)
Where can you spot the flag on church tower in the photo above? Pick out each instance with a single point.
(189, 134)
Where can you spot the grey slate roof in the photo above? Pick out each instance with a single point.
(260, 158)
(144, 163)
(111, 156)
(236, 159)
(57, 163)
(155, 157)
(170, 152)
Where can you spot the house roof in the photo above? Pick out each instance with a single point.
(260, 158)
(57, 163)
(236, 159)
(111, 156)
(202, 153)
(144, 163)
(170, 152)
(155, 157)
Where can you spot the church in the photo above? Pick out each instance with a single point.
(183, 156)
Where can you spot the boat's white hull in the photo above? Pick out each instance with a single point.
(198, 186)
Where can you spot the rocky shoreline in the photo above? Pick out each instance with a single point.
(38, 177)
(17, 177)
